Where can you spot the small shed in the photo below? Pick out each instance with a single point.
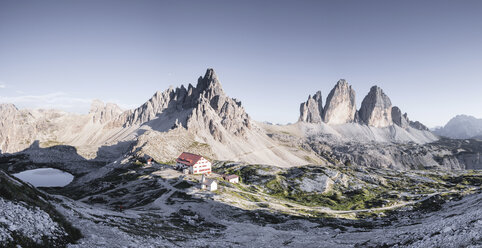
(231, 178)
(210, 184)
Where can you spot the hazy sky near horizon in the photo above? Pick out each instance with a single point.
(425, 55)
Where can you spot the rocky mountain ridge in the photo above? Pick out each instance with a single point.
(194, 101)
(199, 118)
(204, 120)
(340, 108)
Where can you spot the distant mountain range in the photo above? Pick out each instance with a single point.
(461, 127)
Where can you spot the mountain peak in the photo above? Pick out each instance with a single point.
(204, 106)
(312, 110)
(209, 81)
(341, 82)
(210, 74)
(340, 105)
(376, 108)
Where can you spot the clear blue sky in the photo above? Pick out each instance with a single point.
(426, 55)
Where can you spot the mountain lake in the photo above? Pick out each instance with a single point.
(45, 177)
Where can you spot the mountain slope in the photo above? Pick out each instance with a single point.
(28, 219)
(199, 118)
(210, 123)
(461, 127)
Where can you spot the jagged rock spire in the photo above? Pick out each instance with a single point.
(398, 118)
(211, 109)
(312, 110)
(376, 109)
(340, 105)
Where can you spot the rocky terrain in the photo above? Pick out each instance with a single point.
(29, 219)
(334, 205)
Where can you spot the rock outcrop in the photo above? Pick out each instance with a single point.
(418, 125)
(376, 109)
(149, 110)
(312, 110)
(216, 112)
(398, 118)
(103, 113)
(404, 122)
(340, 105)
(17, 128)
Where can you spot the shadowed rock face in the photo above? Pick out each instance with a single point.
(210, 106)
(340, 105)
(398, 118)
(376, 109)
(312, 110)
(404, 122)
(418, 125)
(213, 110)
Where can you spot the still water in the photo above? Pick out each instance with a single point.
(45, 177)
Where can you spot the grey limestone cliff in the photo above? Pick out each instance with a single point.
(398, 118)
(376, 109)
(312, 110)
(340, 105)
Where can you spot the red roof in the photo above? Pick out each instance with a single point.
(188, 159)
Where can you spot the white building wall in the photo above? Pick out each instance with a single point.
(234, 180)
(213, 186)
(202, 166)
